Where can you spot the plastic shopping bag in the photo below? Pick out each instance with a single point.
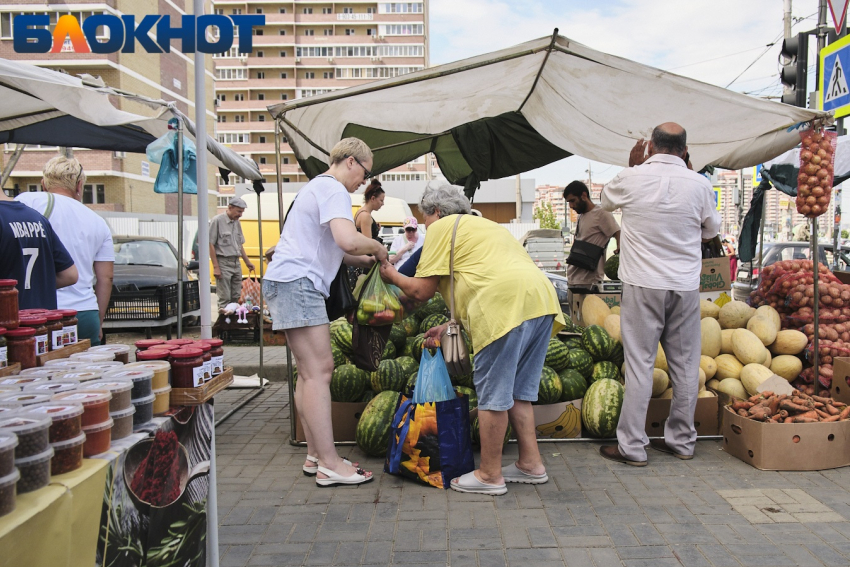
(378, 304)
(432, 382)
(158, 147)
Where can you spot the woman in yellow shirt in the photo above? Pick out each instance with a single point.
(510, 311)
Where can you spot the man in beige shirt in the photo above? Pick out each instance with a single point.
(226, 247)
(595, 226)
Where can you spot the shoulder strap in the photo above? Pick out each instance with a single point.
(452, 270)
(51, 200)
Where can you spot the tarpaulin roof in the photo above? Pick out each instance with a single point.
(517, 109)
(41, 106)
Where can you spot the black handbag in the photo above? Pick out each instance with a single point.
(585, 255)
(368, 344)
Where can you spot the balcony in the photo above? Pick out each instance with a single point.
(245, 104)
(273, 61)
(254, 126)
(321, 83)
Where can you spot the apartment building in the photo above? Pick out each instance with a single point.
(115, 181)
(307, 48)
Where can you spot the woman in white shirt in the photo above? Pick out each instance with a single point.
(318, 236)
(406, 244)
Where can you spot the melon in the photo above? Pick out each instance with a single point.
(708, 309)
(600, 408)
(469, 393)
(747, 346)
(789, 342)
(573, 385)
(667, 394)
(661, 359)
(734, 315)
(615, 310)
(549, 391)
(706, 394)
(752, 375)
(701, 379)
(594, 310)
(581, 361)
(712, 384)
(617, 355)
(557, 355)
(612, 267)
(431, 321)
(612, 325)
(389, 376)
(710, 334)
(708, 366)
(767, 358)
(597, 342)
(726, 341)
(787, 366)
(605, 369)
(728, 367)
(348, 383)
(373, 429)
(732, 387)
(660, 382)
(771, 314)
(763, 328)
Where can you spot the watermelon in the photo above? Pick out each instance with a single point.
(389, 376)
(341, 337)
(466, 379)
(348, 383)
(416, 347)
(617, 356)
(574, 342)
(339, 358)
(411, 382)
(389, 351)
(373, 429)
(612, 267)
(410, 324)
(431, 321)
(398, 336)
(597, 342)
(470, 393)
(476, 434)
(408, 364)
(549, 391)
(600, 408)
(408, 347)
(605, 369)
(434, 306)
(367, 396)
(573, 385)
(581, 361)
(557, 355)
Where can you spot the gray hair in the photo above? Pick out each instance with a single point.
(440, 195)
(666, 142)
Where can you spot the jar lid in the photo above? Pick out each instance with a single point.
(153, 354)
(8, 441)
(35, 459)
(27, 398)
(10, 479)
(67, 312)
(2, 331)
(180, 342)
(123, 413)
(24, 422)
(116, 349)
(21, 332)
(44, 371)
(8, 283)
(66, 363)
(114, 386)
(69, 443)
(87, 397)
(142, 401)
(148, 343)
(53, 387)
(103, 366)
(187, 353)
(58, 410)
(135, 374)
(213, 342)
(82, 375)
(6, 407)
(33, 321)
(93, 356)
(97, 427)
(162, 391)
(166, 348)
(53, 316)
(205, 347)
(154, 365)
(21, 380)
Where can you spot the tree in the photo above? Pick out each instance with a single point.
(546, 216)
(845, 234)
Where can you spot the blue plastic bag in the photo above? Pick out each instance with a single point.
(432, 382)
(164, 150)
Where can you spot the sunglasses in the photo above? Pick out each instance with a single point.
(368, 173)
(410, 229)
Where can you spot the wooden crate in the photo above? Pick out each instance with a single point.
(201, 394)
(10, 370)
(64, 352)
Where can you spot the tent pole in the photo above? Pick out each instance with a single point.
(262, 273)
(540, 70)
(179, 227)
(278, 167)
(203, 189)
(13, 161)
(816, 301)
(761, 234)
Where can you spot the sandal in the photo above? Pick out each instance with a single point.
(513, 473)
(334, 479)
(470, 483)
(311, 471)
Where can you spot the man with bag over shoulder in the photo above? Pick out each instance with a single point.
(595, 226)
(668, 209)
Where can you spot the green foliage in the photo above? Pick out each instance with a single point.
(546, 216)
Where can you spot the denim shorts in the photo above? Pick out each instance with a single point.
(294, 304)
(510, 368)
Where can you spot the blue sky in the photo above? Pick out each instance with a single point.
(709, 40)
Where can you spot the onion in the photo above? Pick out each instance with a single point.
(811, 200)
(823, 201)
(816, 210)
(807, 140)
(813, 180)
(826, 145)
(822, 173)
(822, 153)
(814, 161)
(806, 155)
(805, 210)
(826, 182)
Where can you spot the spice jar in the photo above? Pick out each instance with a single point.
(8, 490)
(83, 376)
(160, 368)
(98, 438)
(22, 380)
(67, 419)
(31, 429)
(93, 357)
(142, 379)
(69, 326)
(54, 328)
(26, 398)
(95, 404)
(6, 407)
(187, 368)
(216, 354)
(206, 350)
(66, 363)
(162, 400)
(21, 345)
(122, 423)
(102, 366)
(8, 442)
(144, 410)
(52, 387)
(9, 304)
(4, 355)
(121, 352)
(35, 471)
(67, 455)
(49, 372)
(120, 390)
(41, 335)
(145, 344)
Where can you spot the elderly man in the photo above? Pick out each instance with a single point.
(226, 247)
(667, 209)
(86, 236)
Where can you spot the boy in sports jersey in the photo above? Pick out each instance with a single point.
(32, 254)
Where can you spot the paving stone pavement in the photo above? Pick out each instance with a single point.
(592, 513)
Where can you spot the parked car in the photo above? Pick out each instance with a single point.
(748, 272)
(145, 261)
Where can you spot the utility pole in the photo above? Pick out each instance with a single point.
(836, 194)
(518, 198)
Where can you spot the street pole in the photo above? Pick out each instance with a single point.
(518, 198)
(203, 190)
(815, 249)
(836, 194)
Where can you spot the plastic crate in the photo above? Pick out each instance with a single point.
(191, 296)
(128, 303)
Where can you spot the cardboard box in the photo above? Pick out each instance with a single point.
(715, 275)
(577, 299)
(786, 446)
(713, 296)
(706, 418)
(840, 385)
(344, 417)
(558, 421)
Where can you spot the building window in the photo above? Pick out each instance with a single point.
(327, 11)
(308, 10)
(370, 10)
(229, 74)
(34, 187)
(371, 31)
(222, 97)
(286, 161)
(328, 32)
(349, 31)
(222, 118)
(308, 32)
(328, 74)
(261, 96)
(258, 32)
(284, 96)
(284, 76)
(281, 32)
(309, 75)
(261, 118)
(286, 180)
(282, 11)
(219, 11)
(261, 75)
(94, 194)
(223, 201)
(400, 8)
(239, 118)
(348, 10)
(259, 10)
(401, 29)
(283, 53)
(237, 11)
(262, 141)
(260, 54)
(262, 160)
(233, 138)
(239, 97)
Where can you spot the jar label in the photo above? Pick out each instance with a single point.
(40, 344)
(198, 376)
(4, 358)
(207, 370)
(217, 365)
(56, 339)
(69, 335)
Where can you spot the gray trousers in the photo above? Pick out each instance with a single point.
(647, 316)
(228, 287)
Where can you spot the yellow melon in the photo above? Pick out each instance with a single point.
(661, 359)
(789, 342)
(710, 335)
(615, 310)
(752, 375)
(767, 358)
(701, 379)
(667, 394)
(594, 310)
(706, 394)
(771, 313)
(726, 341)
(660, 382)
(612, 325)
(708, 309)
(747, 346)
(735, 314)
(728, 367)
(787, 366)
(708, 366)
(732, 387)
(712, 384)
(763, 328)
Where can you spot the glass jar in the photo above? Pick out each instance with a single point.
(21, 345)
(217, 355)
(207, 354)
(4, 356)
(54, 329)
(41, 334)
(187, 368)
(9, 304)
(145, 344)
(69, 326)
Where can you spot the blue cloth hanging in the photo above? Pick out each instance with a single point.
(164, 152)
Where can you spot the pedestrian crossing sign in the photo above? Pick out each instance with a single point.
(833, 89)
(718, 201)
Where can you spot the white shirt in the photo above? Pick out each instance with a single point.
(401, 241)
(306, 248)
(86, 236)
(667, 211)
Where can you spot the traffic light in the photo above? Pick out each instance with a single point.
(793, 74)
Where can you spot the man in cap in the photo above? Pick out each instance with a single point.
(226, 247)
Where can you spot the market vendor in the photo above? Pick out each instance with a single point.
(227, 246)
(595, 227)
